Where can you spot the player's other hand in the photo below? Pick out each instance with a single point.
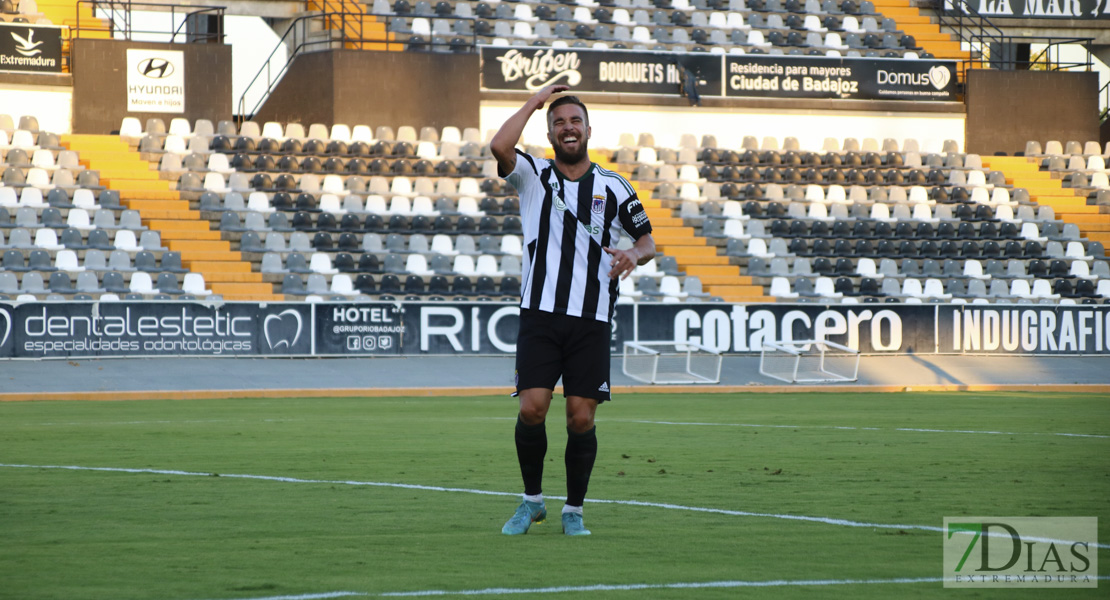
(624, 262)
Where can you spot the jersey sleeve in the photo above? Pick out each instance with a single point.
(633, 217)
(525, 174)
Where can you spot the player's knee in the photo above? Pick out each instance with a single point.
(533, 414)
(580, 422)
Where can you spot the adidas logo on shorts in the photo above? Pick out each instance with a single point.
(604, 387)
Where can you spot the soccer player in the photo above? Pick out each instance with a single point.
(573, 212)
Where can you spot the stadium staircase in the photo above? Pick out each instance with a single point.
(70, 14)
(162, 209)
(357, 30)
(923, 28)
(1046, 190)
(695, 255)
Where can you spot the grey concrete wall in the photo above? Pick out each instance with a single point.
(100, 83)
(377, 88)
(1005, 109)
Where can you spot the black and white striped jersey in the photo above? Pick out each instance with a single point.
(566, 224)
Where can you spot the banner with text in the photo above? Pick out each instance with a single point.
(761, 76)
(30, 48)
(598, 71)
(90, 329)
(1036, 9)
(751, 76)
(155, 81)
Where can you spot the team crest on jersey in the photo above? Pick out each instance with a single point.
(598, 205)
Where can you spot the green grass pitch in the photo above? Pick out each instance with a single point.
(203, 534)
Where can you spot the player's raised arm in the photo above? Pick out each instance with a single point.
(503, 144)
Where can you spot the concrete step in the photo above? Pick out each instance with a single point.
(190, 235)
(213, 277)
(227, 289)
(205, 245)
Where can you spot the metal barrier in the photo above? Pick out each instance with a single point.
(339, 27)
(120, 17)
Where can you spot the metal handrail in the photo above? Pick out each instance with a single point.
(346, 29)
(1104, 103)
(119, 11)
(975, 31)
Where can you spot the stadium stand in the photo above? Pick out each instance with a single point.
(857, 221)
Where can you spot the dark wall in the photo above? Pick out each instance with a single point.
(100, 83)
(377, 88)
(1005, 109)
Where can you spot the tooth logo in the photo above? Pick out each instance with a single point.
(276, 334)
(939, 76)
(7, 331)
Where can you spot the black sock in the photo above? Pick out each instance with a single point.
(531, 448)
(580, 455)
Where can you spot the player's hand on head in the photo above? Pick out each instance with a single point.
(546, 93)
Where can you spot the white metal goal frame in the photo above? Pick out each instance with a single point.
(671, 362)
(810, 361)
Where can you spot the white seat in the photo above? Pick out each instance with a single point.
(1075, 251)
(464, 265)
(341, 284)
(78, 218)
(259, 202)
(1042, 288)
(417, 264)
(141, 283)
(333, 184)
(214, 182)
(732, 209)
(31, 198)
(400, 205)
(734, 228)
(321, 263)
(376, 204)
(627, 288)
(401, 186)
(273, 130)
(511, 245)
(758, 247)
(671, 287)
(340, 133)
(47, 239)
(814, 193)
(442, 244)
(217, 161)
(934, 288)
(1081, 270)
(330, 203)
(130, 127)
(974, 269)
(194, 284)
(1030, 231)
(912, 288)
(66, 260)
(469, 206)
(824, 287)
(487, 265)
(422, 205)
(780, 288)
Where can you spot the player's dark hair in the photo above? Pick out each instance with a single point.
(561, 100)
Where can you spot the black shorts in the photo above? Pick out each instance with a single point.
(551, 345)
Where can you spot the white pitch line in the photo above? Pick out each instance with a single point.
(628, 587)
(433, 488)
(850, 428)
(321, 596)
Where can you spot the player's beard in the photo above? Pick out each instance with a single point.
(572, 158)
